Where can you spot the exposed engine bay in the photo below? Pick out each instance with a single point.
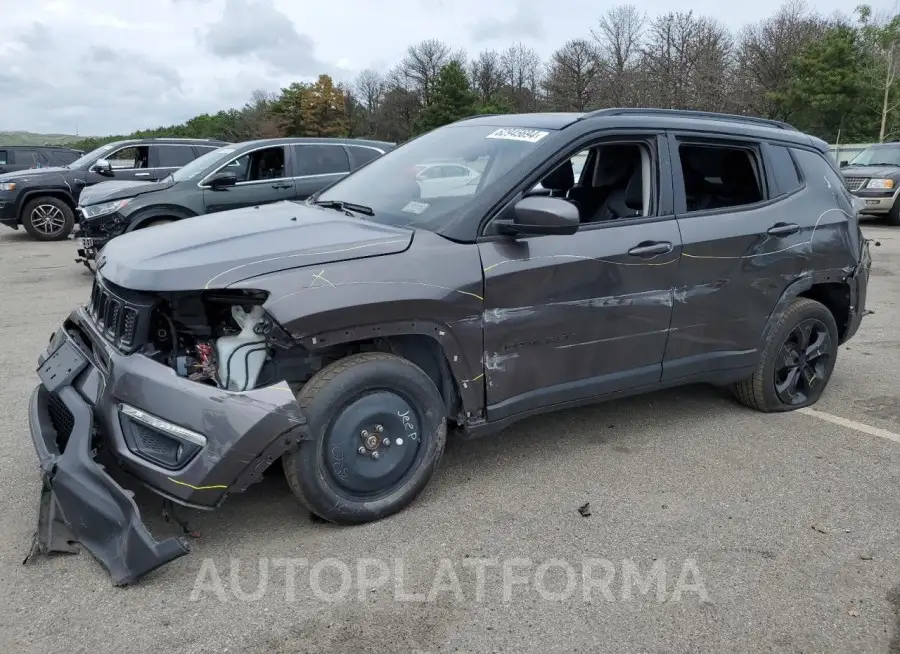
(225, 339)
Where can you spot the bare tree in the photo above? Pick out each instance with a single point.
(487, 75)
(422, 64)
(685, 55)
(619, 36)
(765, 51)
(881, 42)
(572, 76)
(521, 68)
(368, 88)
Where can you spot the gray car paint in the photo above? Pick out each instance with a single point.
(525, 326)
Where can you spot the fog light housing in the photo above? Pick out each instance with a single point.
(158, 441)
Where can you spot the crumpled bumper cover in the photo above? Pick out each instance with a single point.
(76, 427)
(82, 503)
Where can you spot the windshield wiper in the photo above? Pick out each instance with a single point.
(882, 163)
(345, 206)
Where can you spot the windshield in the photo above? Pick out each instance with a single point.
(428, 181)
(91, 157)
(201, 163)
(877, 156)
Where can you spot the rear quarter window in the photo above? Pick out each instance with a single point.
(784, 169)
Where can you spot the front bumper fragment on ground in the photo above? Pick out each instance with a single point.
(80, 501)
(87, 462)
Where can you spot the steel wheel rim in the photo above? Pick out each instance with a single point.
(358, 432)
(801, 368)
(48, 219)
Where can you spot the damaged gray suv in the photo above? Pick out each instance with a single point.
(343, 336)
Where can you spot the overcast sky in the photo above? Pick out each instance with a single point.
(106, 67)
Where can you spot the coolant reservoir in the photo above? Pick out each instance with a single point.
(241, 356)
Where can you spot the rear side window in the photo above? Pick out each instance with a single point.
(362, 156)
(315, 159)
(4, 158)
(173, 156)
(200, 150)
(784, 169)
(29, 158)
(720, 177)
(63, 157)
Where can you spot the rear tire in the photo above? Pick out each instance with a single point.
(379, 427)
(797, 362)
(48, 219)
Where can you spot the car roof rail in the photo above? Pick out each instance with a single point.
(689, 113)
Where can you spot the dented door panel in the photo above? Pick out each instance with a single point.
(570, 317)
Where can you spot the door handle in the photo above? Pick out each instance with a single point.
(650, 248)
(142, 174)
(281, 186)
(783, 229)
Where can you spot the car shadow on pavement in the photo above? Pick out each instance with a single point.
(269, 507)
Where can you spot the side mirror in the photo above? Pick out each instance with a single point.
(844, 163)
(542, 215)
(103, 167)
(222, 180)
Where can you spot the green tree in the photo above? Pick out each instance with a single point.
(880, 41)
(451, 100)
(825, 87)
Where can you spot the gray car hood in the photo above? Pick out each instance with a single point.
(219, 249)
(118, 190)
(877, 172)
(31, 174)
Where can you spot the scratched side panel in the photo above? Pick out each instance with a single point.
(433, 288)
(575, 316)
(732, 274)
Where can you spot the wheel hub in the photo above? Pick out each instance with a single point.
(373, 443)
(803, 362)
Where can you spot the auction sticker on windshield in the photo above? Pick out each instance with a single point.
(416, 207)
(514, 134)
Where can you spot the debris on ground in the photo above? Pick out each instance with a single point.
(819, 529)
(585, 510)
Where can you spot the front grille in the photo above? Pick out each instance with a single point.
(121, 316)
(856, 183)
(62, 420)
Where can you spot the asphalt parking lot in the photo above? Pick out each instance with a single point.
(743, 531)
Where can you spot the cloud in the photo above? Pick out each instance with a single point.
(256, 28)
(115, 67)
(524, 23)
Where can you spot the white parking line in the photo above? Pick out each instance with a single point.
(851, 424)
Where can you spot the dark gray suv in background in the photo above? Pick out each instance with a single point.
(344, 336)
(234, 176)
(43, 200)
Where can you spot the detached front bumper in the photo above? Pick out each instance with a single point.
(83, 412)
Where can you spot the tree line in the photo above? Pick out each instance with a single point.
(834, 76)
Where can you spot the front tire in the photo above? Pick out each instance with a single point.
(379, 428)
(893, 216)
(48, 219)
(797, 362)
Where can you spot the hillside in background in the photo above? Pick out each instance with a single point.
(30, 138)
